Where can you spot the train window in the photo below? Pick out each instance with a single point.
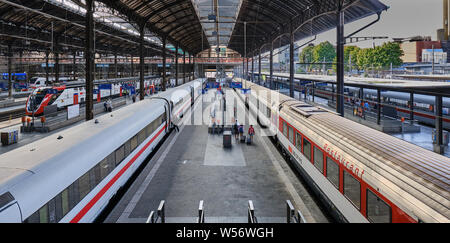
(34, 218)
(74, 195)
(58, 207)
(377, 210)
(141, 136)
(352, 189)
(43, 214)
(298, 141)
(65, 201)
(94, 175)
(291, 135)
(120, 154)
(104, 168)
(83, 185)
(111, 161)
(318, 159)
(333, 172)
(127, 148)
(149, 129)
(285, 130)
(133, 142)
(51, 211)
(307, 149)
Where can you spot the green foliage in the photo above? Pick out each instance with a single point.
(324, 52)
(380, 56)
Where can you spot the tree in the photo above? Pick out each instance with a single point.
(306, 56)
(389, 53)
(349, 51)
(324, 52)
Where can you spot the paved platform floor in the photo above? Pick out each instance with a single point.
(192, 165)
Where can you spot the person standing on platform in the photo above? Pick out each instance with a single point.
(251, 132)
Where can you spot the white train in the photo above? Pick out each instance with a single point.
(361, 174)
(72, 175)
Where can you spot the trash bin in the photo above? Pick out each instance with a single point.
(227, 139)
(10, 137)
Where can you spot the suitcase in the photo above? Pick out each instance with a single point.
(243, 139)
(249, 140)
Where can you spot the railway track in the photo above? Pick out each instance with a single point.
(11, 116)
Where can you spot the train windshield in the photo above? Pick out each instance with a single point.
(38, 97)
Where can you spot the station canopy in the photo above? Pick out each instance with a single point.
(37, 25)
(192, 25)
(266, 20)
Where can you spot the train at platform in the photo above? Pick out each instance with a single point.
(71, 176)
(360, 174)
(75, 93)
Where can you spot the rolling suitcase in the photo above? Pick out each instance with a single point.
(243, 139)
(249, 140)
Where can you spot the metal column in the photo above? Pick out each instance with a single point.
(176, 65)
(271, 66)
(10, 56)
(116, 75)
(259, 68)
(74, 65)
(438, 146)
(184, 67)
(89, 55)
(132, 66)
(141, 63)
(47, 53)
(411, 107)
(190, 68)
(56, 55)
(253, 68)
(163, 81)
(378, 106)
(291, 61)
(340, 60)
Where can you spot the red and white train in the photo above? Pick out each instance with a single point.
(75, 93)
(361, 174)
(72, 175)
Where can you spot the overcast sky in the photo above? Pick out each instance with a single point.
(404, 18)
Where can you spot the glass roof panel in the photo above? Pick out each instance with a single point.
(218, 30)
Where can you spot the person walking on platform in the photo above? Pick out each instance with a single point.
(214, 128)
(236, 130)
(251, 132)
(241, 131)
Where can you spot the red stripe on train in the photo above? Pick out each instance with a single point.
(97, 197)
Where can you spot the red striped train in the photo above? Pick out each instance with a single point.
(361, 175)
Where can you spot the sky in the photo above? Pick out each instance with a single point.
(404, 18)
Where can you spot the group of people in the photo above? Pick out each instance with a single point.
(238, 131)
(108, 105)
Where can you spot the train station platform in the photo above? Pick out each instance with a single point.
(192, 165)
